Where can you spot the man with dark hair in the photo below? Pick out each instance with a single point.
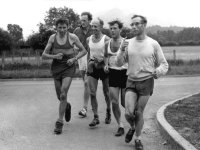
(146, 62)
(60, 49)
(96, 70)
(83, 32)
(117, 75)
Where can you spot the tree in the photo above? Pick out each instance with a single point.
(55, 13)
(5, 40)
(16, 32)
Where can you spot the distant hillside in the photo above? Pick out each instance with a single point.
(155, 28)
(125, 17)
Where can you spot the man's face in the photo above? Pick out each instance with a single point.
(137, 26)
(84, 21)
(61, 28)
(96, 27)
(115, 31)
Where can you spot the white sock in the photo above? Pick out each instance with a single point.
(137, 137)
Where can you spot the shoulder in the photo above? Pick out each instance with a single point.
(151, 40)
(154, 43)
(52, 37)
(77, 30)
(73, 36)
(106, 38)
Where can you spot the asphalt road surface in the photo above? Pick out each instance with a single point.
(29, 109)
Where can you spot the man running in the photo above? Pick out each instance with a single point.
(60, 49)
(96, 43)
(146, 62)
(83, 32)
(117, 75)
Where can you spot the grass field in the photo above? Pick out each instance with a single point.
(182, 52)
(187, 63)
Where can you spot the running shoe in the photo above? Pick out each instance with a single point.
(58, 127)
(83, 112)
(119, 132)
(129, 135)
(68, 112)
(138, 145)
(108, 116)
(94, 122)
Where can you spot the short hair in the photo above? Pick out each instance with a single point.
(62, 21)
(120, 24)
(144, 20)
(88, 14)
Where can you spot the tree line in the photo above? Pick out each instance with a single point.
(13, 37)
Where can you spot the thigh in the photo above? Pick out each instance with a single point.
(114, 94)
(142, 101)
(105, 83)
(92, 82)
(66, 82)
(130, 101)
(123, 97)
(83, 74)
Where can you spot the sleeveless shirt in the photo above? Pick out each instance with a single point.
(112, 58)
(68, 51)
(97, 49)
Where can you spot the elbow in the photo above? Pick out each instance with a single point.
(43, 56)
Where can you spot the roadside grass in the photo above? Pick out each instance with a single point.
(184, 116)
(41, 68)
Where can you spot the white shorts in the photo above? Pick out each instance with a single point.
(82, 63)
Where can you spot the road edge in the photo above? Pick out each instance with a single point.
(169, 132)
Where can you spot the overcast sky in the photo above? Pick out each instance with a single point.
(28, 13)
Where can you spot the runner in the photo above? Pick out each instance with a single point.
(83, 32)
(60, 49)
(146, 62)
(96, 70)
(117, 75)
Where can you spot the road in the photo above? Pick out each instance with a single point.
(28, 111)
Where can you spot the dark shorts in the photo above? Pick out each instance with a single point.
(96, 70)
(117, 78)
(67, 72)
(142, 88)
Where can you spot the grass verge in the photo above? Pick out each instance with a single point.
(184, 116)
(41, 69)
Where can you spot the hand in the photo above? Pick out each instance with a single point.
(58, 56)
(71, 61)
(155, 75)
(106, 69)
(124, 44)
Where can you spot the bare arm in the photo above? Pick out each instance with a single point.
(81, 50)
(88, 50)
(46, 53)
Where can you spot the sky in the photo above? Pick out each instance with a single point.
(28, 13)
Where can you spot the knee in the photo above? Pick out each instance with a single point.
(92, 94)
(138, 113)
(128, 115)
(63, 96)
(86, 83)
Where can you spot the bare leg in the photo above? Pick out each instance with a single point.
(142, 101)
(92, 82)
(105, 83)
(114, 97)
(66, 82)
(86, 89)
(130, 103)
